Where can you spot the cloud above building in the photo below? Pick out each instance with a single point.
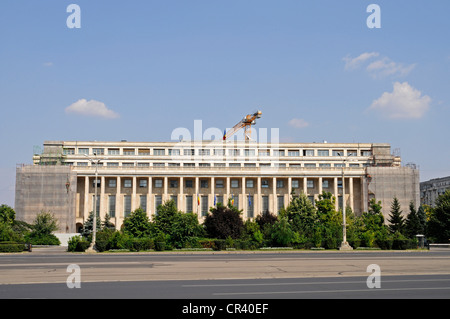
(404, 102)
(91, 108)
(377, 66)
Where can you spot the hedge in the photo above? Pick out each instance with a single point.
(11, 247)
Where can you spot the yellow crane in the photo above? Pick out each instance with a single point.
(245, 123)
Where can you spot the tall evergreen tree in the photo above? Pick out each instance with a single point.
(439, 224)
(412, 224)
(422, 216)
(396, 220)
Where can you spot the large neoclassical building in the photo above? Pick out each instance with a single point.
(197, 175)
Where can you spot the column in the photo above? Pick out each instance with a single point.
(258, 204)
(350, 181)
(305, 185)
(244, 198)
(274, 196)
(103, 206)
(213, 195)
(196, 196)
(227, 196)
(288, 197)
(166, 187)
(119, 208)
(180, 201)
(320, 185)
(133, 194)
(86, 198)
(336, 194)
(150, 196)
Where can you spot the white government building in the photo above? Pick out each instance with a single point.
(257, 177)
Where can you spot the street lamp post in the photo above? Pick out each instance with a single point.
(344, 245)
(94, 226)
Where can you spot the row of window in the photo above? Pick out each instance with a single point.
(215, 152)
(219, 183)
(292, 165)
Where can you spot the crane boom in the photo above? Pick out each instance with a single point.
(245, 123)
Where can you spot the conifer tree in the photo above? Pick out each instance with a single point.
(396, 220)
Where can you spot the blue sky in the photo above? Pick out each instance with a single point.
(137, 70)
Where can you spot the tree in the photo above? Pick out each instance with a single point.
(439, 224)
(137, 224)
(107, 223)
(180, 227)
(396, 220)
(329, 221)
(282, 233)
(89, 225)
(7, 214)
(302, 215)
(412, 223)
(42, 228)
(421, 215)
(224, 221)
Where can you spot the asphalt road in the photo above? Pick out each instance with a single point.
(226, 275)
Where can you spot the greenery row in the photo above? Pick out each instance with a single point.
(301, 225)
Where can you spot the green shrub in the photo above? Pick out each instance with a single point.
(77, 244)
(11, 247)
(44, 239)
(140, 244)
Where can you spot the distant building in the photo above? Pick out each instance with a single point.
(430, 190)
(197, 175)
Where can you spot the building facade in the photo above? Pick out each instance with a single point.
(430, 190)
(256, 177)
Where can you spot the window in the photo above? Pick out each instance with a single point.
(142, 183)
(113, 151)
(352, 153)
(112, 183)
(204, 164)
(189, 204)
(354, 165)
(234, 165)
(159, 151)
(264, 153)
(265, 204)
(173, 183)
(126, 205)
(249, 183)
(219, 183)
(204, 183)
(308, 152)
(189, 164)
(219, 199)
(189, 183)
(323, 153)
(233, 152)
(98, 151)
(310, 165)
(143, 202)
(204, 152)
(235, 200)
(204, 205)
(219, 164)
(174, 152)
(158, 183)
(293, 153)
(69, 151)
(83, 151)
(112, 206)
(128, 151)
(158, 202)
(144, 152)
(280, 183)
(338, 152)
(324, 165)
(311, 199)
(234, 183)
(339, 165)
(158, 165)
(189, 152)
(325, 184)
(127, 164)
(98, 182)
(295, 183)
(249, 153)
(219, 152)
(250, 207)
(82, 164)
(112, 164)
(143, 164)
(309, 184)
(127, 183)
(278, 153)
(174, 198)
(366, 153)
(280, 203)
(96, 204)
(249, 164)
(265, 183)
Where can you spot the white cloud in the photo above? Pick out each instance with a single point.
(403, 102)
(298, 123)
(91, 108)
(354, 63)
(379, 67)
